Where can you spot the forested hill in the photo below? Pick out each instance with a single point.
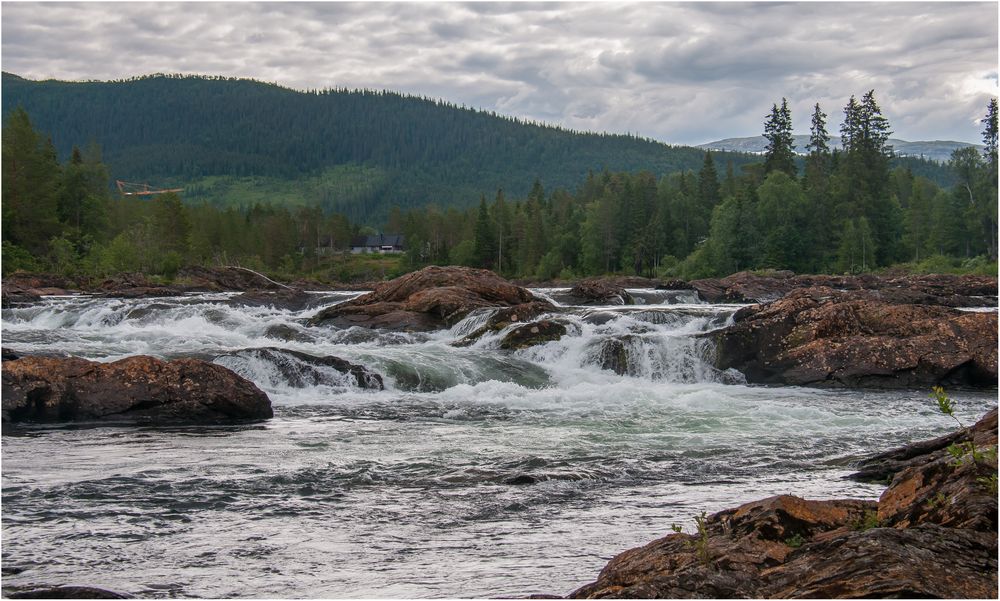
(354, 152)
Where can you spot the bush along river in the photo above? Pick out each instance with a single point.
(451, 436)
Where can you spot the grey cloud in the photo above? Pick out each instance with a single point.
(679, 72)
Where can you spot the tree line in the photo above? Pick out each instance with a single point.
(829, 211)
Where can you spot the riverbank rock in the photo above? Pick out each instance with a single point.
(133, 285)
(217, 279)
(825, 337)
(432, 298)
(932, 289)
(882, 467)
(289, 299)
(933, 533)
(65, 389)
(600, 291)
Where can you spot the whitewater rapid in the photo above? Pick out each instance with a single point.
(475, 472)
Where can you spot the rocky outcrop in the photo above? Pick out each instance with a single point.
(825, 337)
(217, 279)
(882, 467)
(600, 292)
(65, 389)
(531, 334)
(933, 533)
(133, 285)
(932, 289)
(432, 298)
(289, 299)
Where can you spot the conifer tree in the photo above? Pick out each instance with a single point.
(780, 152)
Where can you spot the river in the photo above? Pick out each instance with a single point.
(477, 472)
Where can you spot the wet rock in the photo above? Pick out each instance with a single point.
(287, 333)
(8, 355)
(64, 389)
(64, 592)
(505, 316)
(534, 333)
(289, 299)
(521, 480)
(884, 466)
(824, 337)
(613, 355)
(13, 295)
(299, 369)
(600, 292)
(432, 298)
(933, 533)
(37, 281)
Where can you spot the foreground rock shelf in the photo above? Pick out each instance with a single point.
(933, 533)
(49, 389)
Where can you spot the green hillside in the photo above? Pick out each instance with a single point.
(355, 152)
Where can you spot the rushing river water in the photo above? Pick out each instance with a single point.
(476, 473)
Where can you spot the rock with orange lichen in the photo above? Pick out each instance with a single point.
(136, 388)
(432, 298)
(932, 534)
(825, 337)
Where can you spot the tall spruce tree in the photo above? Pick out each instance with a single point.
(779, 154)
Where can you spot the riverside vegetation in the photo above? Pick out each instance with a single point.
(852, 210)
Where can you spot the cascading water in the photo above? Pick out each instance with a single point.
(532, 466)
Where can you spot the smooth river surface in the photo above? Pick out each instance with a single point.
(476, 473)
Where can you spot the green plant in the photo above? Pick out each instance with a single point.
(795, 541)
(700, 543)
(989, 483)
(961, 452)
(866, 522)
(676, 528)
(938, 501)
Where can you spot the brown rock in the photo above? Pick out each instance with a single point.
(600, 291)
(932, 289)
(824, 337)
(432, 298)
(531, 334)
(934, 536)
(225, 278)
(64, 592)
(62, 389)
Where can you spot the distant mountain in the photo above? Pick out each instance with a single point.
(356, 152)
(937, 150)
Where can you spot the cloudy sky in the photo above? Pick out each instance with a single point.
(682, 73)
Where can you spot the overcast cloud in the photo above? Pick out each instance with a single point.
(683, 73)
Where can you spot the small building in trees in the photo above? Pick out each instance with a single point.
(378, 243)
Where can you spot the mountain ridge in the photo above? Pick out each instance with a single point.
(935, 150)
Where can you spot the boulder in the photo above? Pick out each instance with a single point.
(14, 295)
(824, 337)
(531, 334)
(64, 389)
(933, 533)
(600, 291)
(432, 298)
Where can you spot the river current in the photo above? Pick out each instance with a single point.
(477, 472)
